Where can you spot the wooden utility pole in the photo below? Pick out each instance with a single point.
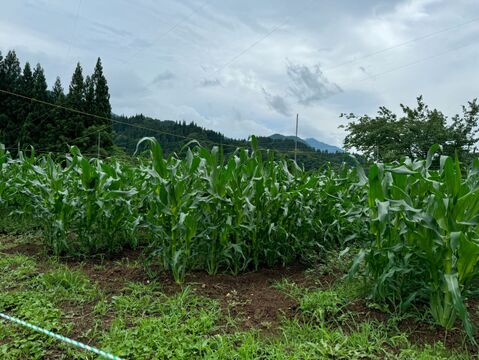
(98, 155)
(296, 138)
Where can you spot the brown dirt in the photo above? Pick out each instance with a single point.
(82, 316)
(418, 332)
(249, 298)
(25, 249)
(365, 313)
(421, 333)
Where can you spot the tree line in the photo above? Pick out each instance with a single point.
(174, 135)
(389, 136)
(23, 123)
(26, 123)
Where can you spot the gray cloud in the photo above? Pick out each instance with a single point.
(161, 57)
(310, 85)
(277, 103)
(162, 77)
(109, 30)
(210, 83)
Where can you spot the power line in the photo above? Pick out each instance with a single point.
(407, 42)
(377, 52)
(46, 151)
(128, 124)
(261, 39)
(417, 61)
(74, 26)
(204, 141)
(374, 76)
(172, 28)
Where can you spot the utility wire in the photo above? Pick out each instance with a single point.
(74, 26)
(208, 141)
(418, 61)
(132, 125)
(172, 28)
(261, 39)
(377, 52)
(407, 42)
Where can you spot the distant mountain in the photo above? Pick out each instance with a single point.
(286, 137)
(173, 135)
(315, 144)
(319, 145)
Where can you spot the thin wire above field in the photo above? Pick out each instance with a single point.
(135, 125)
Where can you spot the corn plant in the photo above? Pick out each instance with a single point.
(84, 206)
(14, 205)
(425, 229)
(205, 212)
(195, 210)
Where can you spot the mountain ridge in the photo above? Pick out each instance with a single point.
(173, 135)
(311, 142)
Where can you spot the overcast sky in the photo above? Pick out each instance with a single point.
(247, 67)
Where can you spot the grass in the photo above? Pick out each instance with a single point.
(149, 320)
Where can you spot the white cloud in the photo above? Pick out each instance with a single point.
(13, 36)
(168, 60)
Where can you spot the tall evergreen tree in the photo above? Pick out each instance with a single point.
(2, 75)
(55, 126)
(8, 104)
(41, 114)
(12, 71)
(89, 100)
(57, 92)
(33, 123)
(24, 110)
(26, 83)
(101, 105)
(75, 123)
(3, 116)
(40, 84)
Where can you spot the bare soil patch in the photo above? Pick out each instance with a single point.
(250, 298)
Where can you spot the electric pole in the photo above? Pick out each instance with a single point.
(296, 138)
(98, 156)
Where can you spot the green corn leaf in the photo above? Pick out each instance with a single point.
(458, 303)
(430, 154)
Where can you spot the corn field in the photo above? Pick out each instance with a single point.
(424, 227)
(417, 228)
(191, 211)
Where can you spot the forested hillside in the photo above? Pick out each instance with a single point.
(25, 123)
(173, 135)
(82, 116)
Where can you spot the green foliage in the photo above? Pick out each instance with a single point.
(196, 212)
(18, 342)
(201, 210)
(84, 206)
(163, 327)
(321, 306)
(142, 322)
(238, 214)
(425, 247)
(67, 284)
(15, 269)
(26, 123)
(388, 137)
(173, 135)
